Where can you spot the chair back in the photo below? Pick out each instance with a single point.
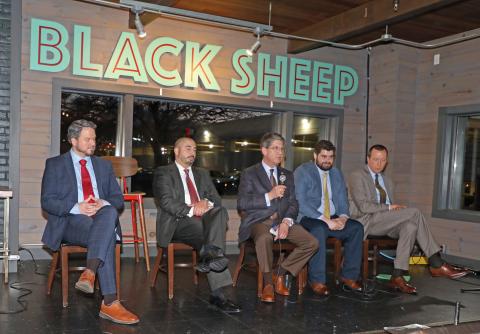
(123, 167)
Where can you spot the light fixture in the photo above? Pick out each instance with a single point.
(254, 48)
(138, 23)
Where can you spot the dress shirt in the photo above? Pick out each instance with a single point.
(330, 195)
(382, 183)
(188, 201)
(267, 170)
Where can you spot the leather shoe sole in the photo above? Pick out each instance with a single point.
(218, 264)
(84, 287)
(225, 305)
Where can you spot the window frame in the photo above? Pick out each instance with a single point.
(447, 168)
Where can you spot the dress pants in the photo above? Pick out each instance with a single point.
(201, 232)
(407, 225)
(306, 244)
(97, 233)
(352, 238)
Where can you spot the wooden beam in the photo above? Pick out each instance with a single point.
(369, 16)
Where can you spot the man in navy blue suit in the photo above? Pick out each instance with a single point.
(323, 211)
(82, 198)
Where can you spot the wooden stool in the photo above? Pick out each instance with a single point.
(286, 246)
(65, 251)
(374, 243)
(124, 167)
(172, 247)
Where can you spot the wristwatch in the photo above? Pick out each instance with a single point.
(289, 222)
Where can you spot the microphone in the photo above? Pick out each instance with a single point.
(282, 178)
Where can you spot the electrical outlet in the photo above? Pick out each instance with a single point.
(443, 248)
(436, 59)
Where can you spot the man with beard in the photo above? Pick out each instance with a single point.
(323, 211)
(82, 199)
(268, 207)
(190, 211)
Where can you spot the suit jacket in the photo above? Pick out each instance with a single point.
(309, 190)
(60, 193)
(363, 196)
(251, 203)
(170, 198)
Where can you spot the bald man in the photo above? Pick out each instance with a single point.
(190, 211)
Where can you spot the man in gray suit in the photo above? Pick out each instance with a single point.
(190, 211)
(268, 207)
(373, 205)
(323, 200)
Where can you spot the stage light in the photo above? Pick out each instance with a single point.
(138, 23)
(254, 48)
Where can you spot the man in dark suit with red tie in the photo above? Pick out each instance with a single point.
(266, 202)
(82, 198)
(190, 210)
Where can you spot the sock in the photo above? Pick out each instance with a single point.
(435, 261)
(93, 264)
(281, 271)
(399, 272)
(109, 299)
(267, 278)
(218, 293)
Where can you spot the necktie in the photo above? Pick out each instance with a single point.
(191, 188)
(381, 191)
(326, 198)
(272, 178)
(86, 181)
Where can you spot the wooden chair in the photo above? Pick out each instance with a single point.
(124, 167)
(375, 243)
(172, 247)
(63, 253)
(288, 247)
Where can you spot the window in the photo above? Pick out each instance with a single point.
(457, 193)
(103, 110)
(227, 139)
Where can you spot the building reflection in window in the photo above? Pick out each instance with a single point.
(470, 127)
(227, 139)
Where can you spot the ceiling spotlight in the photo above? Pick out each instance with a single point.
(254, 48)
(138, 23)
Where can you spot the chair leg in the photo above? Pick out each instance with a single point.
(64, 261)
(135, 230)
(239, 264)
(117, 268)
(171, 264)
(337, 258)
(156, 266)
(144, 232)
(259, 282)
(375, 259)
(365, 259)
(194, 264)
(51, 273)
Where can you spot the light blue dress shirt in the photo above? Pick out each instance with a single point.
(329, 188)
(267, 170)
(77, 167)
(382, 183)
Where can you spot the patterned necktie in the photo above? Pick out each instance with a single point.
(86, 180)
(326, 198)
(191, 188)
(272, 178)
(381, 191)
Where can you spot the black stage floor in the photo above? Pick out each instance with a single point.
(190, 312)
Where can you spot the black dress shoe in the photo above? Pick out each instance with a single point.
(212, 263)
(225, 305)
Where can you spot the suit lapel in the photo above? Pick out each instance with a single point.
(177, 179)
(98, 175)
(263, 177)
(371, 183)
(198, 182)
(68, 163)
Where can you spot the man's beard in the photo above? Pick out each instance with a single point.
(324, 168)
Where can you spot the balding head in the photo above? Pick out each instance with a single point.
(185, 151)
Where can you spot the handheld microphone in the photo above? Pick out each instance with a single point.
(282, 178)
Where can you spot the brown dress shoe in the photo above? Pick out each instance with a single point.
(280, 287)
(117, 313)
(398, 283)
(351, 284)
(86, 281)
(447, 270)
(320, 289)
(268, 296)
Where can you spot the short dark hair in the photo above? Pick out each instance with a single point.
(76, 127)
(326, 145)
(377, 147)
(269, 137)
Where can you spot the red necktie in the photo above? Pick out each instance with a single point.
(86, 181)
(191, 188)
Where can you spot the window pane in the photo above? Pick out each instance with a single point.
(471, 166)
(307, 131)
(100, 109)
(227, 139)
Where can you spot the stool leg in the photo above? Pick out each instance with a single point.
(51, 273)
(144, 232)
(259, 282)
(194, 264)
(239, 264)
(64, 260)
(170, 255)
(117, 268)
(375, 259)
(156, 266)
(134, 230)
(365, 259)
